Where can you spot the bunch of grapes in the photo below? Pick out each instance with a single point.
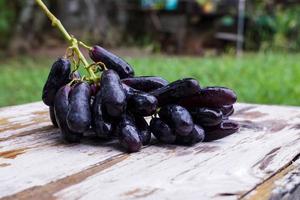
(115, 103)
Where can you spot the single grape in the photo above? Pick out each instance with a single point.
(225, 128)
(178, 118)
(175, 91)
(196, 136)
(123, 69)
(59, 76)
(206, 116)
(145, 83)
(79, 115)
(128, 134)
(142, 104)
(113, 94)
(210, 97)
(61, 104)
(162, 131)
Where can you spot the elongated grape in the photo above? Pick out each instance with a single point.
(114, 97)
(162, 131)
(129, 134)
(144, 130)
(145, 83)
(79, 114)
(61, 104)
(99, 54)
(178, 118)
(101, 125)
(210, 97)
(142, 104)
(175, 91)
(206, 116)
(52, 116)
(225, 128)
(59, 76)
(196, 136)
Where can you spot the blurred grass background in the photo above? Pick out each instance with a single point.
(265, 78)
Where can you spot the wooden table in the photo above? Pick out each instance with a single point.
(261, 161)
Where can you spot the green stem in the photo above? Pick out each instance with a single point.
(72, 41)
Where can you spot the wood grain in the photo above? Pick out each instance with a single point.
(36, 164)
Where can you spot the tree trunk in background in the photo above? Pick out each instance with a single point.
(29, 25)
(93, 21)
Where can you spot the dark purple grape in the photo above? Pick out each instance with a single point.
(113, 94)
(129, 91)
(210, 97)
(79, 115)
(162, 131)
(175, 91)
(144, 130)
(52, 116)
(227, 110)
(61, 104)
(206, 116)
(59, 76)
(129, 134)
(225, 128)
(197, 135)
(123, 69)
(145, 83)
(142, 104)
(178, 118)
(101, 125)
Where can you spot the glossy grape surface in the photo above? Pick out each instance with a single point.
(145, 83)
(111, 61)
(61, 106)
(59, 76)
(79, 114)
(178, 118)
(175, 91)
(113, 94)
(225, 128)
(129, 134)
(206, 116)
(162, 131)
(210, 97)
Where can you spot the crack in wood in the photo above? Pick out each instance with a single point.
(48, 191)
(140, 193)
(288, 187)
(263, 190)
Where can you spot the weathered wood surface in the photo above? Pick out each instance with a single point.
(259, 162)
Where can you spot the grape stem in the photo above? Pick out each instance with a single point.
(71, 39)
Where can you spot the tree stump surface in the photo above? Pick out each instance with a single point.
(261, 161)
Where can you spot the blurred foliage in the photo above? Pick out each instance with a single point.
(274, 26)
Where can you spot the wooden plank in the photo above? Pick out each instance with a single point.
(37, 164)
(32, 154)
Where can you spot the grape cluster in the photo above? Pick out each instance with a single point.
(115, 106)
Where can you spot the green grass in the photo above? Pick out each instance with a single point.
(271, 78)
